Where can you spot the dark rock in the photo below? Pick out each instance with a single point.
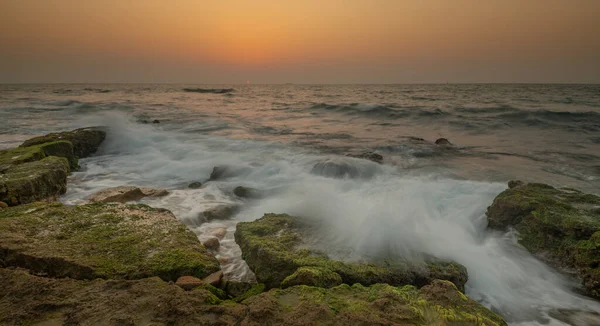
(247, 192)
(443, 142)
(214, 279)
(155, 121)
(195, 185)
(221, 212)
(209, 90)
(514, 183)
(558, 224)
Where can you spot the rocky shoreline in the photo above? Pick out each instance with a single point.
(113, 263)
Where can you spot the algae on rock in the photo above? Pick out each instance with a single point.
(271, 248)
(101, 240)
(563, 225)
(86, 141)
(36, 299)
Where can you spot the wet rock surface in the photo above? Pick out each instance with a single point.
(86, 141)
(272, 248)
(35, 299)
(123, 194)
(560, 225)
(101, 240)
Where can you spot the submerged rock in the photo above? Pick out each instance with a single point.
(271, 246)
(86, 141)
(247, 192)
(562, 225)
(36, 299)
(123, 194)
(211, 243)
(221, 212)
(335, 168)
(195, 185)
(371, 156)
(101, 240)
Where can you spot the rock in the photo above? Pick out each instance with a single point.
(86, 141)
(27, 299)
(101, 240)
(371, 156)
(225, 171)
(188, 282)
(254, 290)
(247, 192)
(155, 121)
(34, 153)
(335, 168)
(151, 192)
(218, 172)
(221, 212)
(443, 142)
(312, 276)
(270, 247)
(236, 289)
(195, 185)
(209, 90)
(34, 181)
(214, 279)
(123, 194)
(514, 184)
(211, 243)
(561, 225)
(3, 205)
(219, 233)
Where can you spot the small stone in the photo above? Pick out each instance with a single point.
(211, 243)
(195, 185)
(120, 194)
(188, 282)
(5, 205)
(155, 121)
(214, 279)
(219, 233)
(223, 260)
(443, 142)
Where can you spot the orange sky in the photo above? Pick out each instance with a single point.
(351, 41)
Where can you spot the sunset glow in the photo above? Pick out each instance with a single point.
(276, 41)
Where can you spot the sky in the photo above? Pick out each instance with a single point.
(307, 41)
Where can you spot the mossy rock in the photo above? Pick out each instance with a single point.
(247, 192)
(101, 240)
(33, 181)
(561, 225)
(312, 276)
(86, 141)
(34, 153)
(28, 299)
(271, 246)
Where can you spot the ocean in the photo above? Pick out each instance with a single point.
(425, 199)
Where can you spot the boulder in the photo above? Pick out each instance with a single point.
(221, 212)
(3, 205)
(211, 243)
(38, 152)
(247, 192)
(123, 194)
(101, 241)
(188, 282)
(86, 141)
(371, 156)
(562, 226)
(28, 299)
(274, 249)
(219, 233)
(225, 171)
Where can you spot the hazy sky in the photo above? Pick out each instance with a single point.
(304, 41)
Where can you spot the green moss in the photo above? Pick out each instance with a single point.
(101, 240)
(313, 276)
(256, 289)
(563, 224)
(220, 294)
(270, 246)
(85, 140)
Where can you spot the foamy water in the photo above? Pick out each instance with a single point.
(424, 201)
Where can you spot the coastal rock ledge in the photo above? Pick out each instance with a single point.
(560, 225)
(274, 249)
